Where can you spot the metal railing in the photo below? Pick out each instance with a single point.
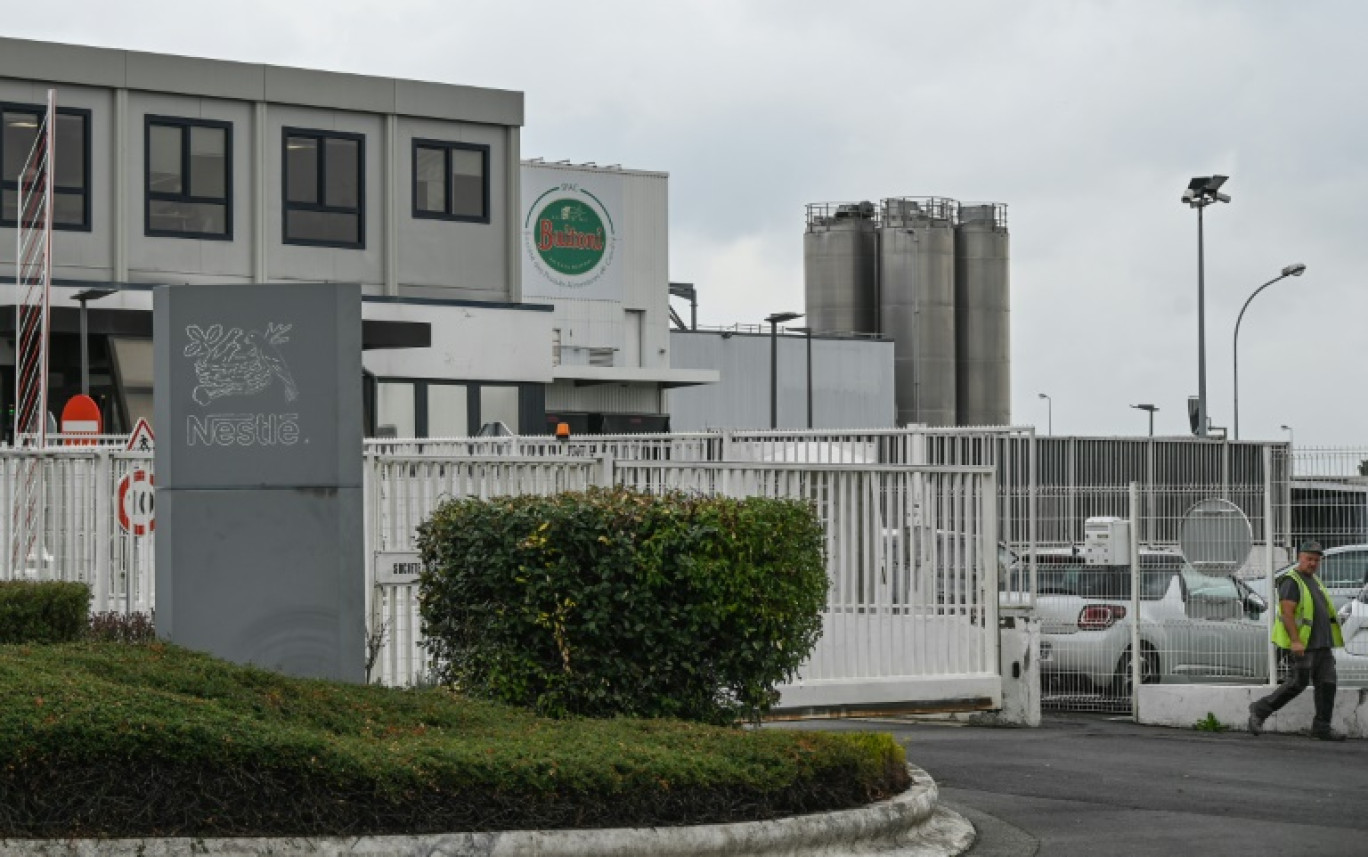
(912, 564)
(77, 534)
(1204, 618)
(1044, 491)
(401, 492)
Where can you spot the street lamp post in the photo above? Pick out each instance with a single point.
(1049, 413)
(774, 320)
(1295, 270)
(1201, 192)
(1151, 409)
(807, 332)
(1290, 439)
(82, 298)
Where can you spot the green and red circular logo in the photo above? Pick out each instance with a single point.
(569, 235)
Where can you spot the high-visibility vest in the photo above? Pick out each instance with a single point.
(1305, 613)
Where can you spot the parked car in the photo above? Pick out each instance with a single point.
(1193, 626)
(1353, 618)
(1343, 570)
(938, 567)
(1351, 662)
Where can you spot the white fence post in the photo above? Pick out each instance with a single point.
(1268, 556)
(101, 586)
(988, 519)
(7, 470)
(1137, 657)
(1033, 514)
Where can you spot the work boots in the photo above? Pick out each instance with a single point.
(1325, 707)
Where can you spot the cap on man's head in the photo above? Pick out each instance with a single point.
(1311, 546)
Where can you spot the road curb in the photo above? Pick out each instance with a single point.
(908, 825)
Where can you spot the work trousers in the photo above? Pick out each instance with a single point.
(1318, 668)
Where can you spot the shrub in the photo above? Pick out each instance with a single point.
(42, 612)
(613, 602)
(112, 740)
(115, 627)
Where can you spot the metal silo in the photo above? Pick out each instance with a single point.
(839, 267)
(917, 305)
(983, 334)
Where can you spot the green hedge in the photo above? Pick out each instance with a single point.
(108, 739)
(43, 612)
(613, 602)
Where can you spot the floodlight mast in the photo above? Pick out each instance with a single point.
(1201, 192)
(1151, 409)
(1296, 269)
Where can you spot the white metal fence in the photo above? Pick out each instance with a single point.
(404, 490)
(911, 558)
(77, 534)
(911, 615)
(1204, 618)
(1045, 490)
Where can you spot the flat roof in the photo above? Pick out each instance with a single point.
(592, 168)
(79, 65)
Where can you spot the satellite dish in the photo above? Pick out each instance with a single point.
(1215, 537)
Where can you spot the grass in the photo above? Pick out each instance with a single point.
(1210, 723)
(111, 739)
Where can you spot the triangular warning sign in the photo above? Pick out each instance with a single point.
(141, 440)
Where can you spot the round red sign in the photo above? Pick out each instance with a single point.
(137, 503)
(81, 416)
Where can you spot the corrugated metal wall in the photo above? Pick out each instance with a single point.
(852, 382)
(604, 398)
(646, 256)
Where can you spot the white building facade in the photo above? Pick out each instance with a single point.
(495, 291)
(595, 243)
(175, 170)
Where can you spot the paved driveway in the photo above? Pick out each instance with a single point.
(1087, 785)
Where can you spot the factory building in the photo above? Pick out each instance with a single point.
(484, 300)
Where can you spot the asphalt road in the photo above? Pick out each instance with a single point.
(1084, 786)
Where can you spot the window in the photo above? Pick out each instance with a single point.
(499, 404)
(448, 410)
(1344, 569)
(189, 164)
(450, 181)
(134, 374)
(396, 412)
(324, 188)
(71, 178)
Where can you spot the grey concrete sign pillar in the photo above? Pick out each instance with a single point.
(258, 462)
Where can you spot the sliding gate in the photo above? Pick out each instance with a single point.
(911, 618)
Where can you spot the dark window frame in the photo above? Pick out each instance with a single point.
(446, 147)
(150, 195)
(85, 114)
(322, 136)
(531, 401)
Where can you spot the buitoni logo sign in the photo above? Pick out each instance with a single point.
(569, 236)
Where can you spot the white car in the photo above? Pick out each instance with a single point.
(1351, 662)
(1343, 571)
(1193, 626)
(1353, 618)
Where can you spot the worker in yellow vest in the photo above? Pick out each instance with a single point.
(1305, 628)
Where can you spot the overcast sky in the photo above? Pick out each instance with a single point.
(1086, 118)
